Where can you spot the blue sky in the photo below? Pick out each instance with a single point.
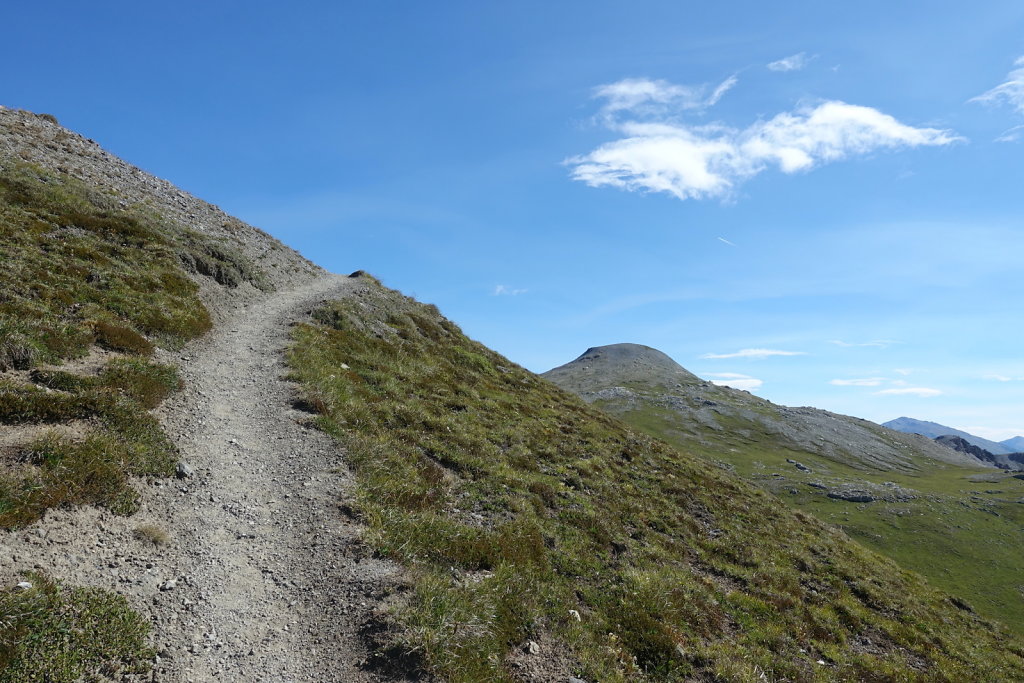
(836, 181)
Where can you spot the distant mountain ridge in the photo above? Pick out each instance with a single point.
(909, 425)
(1006, 461)
(1016, 444)
(623, 376)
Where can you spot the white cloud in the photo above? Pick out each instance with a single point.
(902, 371)
(723, 87)
(1003, 378)
(650, 97)
(791, 63)
(1011, 91)
(735, 380)
(1011, 134)
(662, 154)
(502, 290)
(754, 354)
(722, 239)
(923, 392)
(860, 382)
(878, 343)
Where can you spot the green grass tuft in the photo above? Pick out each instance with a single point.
(62, 635)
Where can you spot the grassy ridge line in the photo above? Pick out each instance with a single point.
(525, 515)
(81, 270)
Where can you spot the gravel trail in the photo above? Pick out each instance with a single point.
(274, 584)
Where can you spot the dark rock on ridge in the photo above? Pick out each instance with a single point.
(1008, 461)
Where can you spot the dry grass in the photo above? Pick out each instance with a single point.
(152, 534)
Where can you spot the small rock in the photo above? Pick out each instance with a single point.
(169, 585)
(573, 679)
(575, 615)
(532, 648)
(184, 470)
(24, 585)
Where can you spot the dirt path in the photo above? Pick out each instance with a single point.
(270, 582)
(263, 577)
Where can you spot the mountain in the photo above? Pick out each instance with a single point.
(1016, 444)
(218, 462)
(953, 518)
(909, 425)
(621, 377)
(1010, 461)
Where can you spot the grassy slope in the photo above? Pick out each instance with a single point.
(964, 535)
(516, 507)
(81, 271)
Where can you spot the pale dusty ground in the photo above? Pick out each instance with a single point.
(264, 578)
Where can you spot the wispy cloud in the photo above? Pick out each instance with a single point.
(725, 241)
(859, 382)
(502, 290)
(791, 63)
(1003, 378)
(903, 371)
(1011, 134)
(753, 354)
(1010, 92)
(923, 392)
(660, 153)
(645, 96)
(877, 343)
(722, 88)
(735, 380)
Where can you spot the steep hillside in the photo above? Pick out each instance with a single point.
(935, 511)
(107, 275)
(546, 540)
(39, 141)
(909, 425)
(1016, 444)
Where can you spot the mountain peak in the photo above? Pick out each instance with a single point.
(624, 364)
